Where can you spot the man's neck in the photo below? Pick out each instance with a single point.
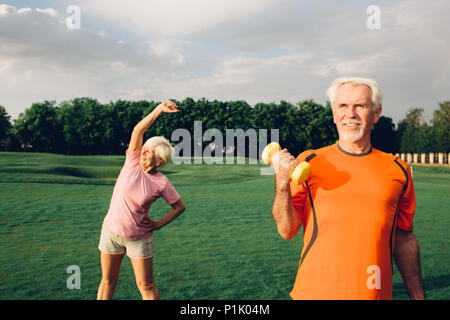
(357, 147)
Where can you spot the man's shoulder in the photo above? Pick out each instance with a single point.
(387, 160)
(387, 156)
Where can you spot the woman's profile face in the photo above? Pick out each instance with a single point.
(148, 159)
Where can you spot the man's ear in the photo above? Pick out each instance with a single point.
(378, 114)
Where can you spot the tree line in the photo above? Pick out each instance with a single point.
(84, 126)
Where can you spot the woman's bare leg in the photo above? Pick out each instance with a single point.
(110, 273)
(143, 271)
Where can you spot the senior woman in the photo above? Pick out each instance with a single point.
(127, 227)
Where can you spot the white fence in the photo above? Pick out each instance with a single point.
(425, 158)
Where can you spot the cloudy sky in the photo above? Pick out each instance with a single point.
(255, 50)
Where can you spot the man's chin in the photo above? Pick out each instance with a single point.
(351, 136)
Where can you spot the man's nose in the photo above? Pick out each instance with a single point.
(351, 112)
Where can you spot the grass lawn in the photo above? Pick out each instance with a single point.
(225, 246)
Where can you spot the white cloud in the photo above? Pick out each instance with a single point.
(256, 50)
(6, 10)
(41, 59)
(251, 79)
(170, 49)
(174, 17)
(48, 11)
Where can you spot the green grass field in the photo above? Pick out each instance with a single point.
(225, 246)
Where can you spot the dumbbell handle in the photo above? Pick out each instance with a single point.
(301, 171)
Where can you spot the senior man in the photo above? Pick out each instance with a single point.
(357, 207)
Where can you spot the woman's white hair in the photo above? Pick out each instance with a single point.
(377, 96)
(163, 149)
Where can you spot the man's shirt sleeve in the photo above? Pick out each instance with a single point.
(300, 192)
(298, 195)
(407, 204)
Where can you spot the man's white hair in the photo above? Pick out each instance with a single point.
(163, 149)
(377, 96)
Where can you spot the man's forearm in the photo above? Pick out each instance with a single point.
(407, 258)
(284, 213)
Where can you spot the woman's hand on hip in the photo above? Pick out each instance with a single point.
(152, 225)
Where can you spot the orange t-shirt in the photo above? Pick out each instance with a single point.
(350, 206)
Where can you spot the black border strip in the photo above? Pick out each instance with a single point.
(310, 157)
(405, 186)
(394, 221)
(315, 227)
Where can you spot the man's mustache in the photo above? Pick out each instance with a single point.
(351, 121)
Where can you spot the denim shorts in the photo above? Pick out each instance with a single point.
(112, 243)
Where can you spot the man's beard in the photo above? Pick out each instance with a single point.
(352, 136)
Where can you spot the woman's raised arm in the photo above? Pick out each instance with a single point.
(137, 136)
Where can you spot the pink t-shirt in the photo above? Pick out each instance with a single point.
(134, 192)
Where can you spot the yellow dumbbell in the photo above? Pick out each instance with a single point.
(301, 171)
